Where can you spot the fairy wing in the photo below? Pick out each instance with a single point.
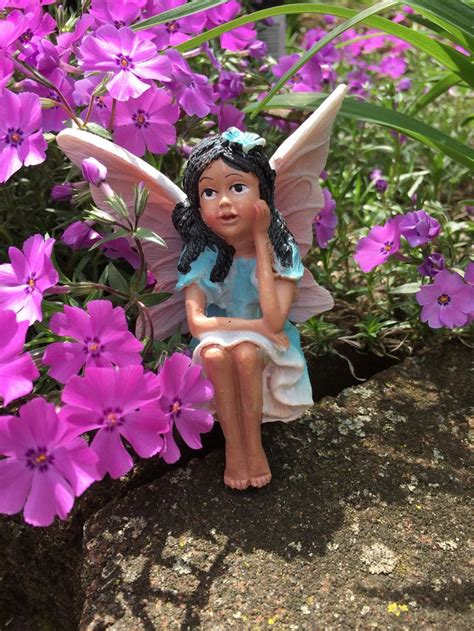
(123, 171)
(298, 196)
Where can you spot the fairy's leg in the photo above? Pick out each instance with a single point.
(219, 368)
(249, 364)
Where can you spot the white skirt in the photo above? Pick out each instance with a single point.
(286, 385)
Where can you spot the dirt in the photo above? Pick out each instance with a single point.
(366, 524)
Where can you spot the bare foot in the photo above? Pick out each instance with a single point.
(259, 469)
(236, 474)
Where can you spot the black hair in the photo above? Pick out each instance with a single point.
(187, 220)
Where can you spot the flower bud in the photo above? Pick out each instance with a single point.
(94, 171)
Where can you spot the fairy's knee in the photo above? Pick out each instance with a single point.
(247, 355)
(214, 355)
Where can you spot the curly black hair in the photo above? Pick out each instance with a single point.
(187, 220)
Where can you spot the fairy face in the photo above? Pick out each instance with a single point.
(227, 197)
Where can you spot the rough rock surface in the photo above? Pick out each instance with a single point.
(365, 525)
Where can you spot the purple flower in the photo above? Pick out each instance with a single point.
(102, 335)
(325, 222)
(390, 66)
(46, 467)
(192, 91)
(21, 138)
(380, 183)
(230, 85)
(146, 123)
(80, 235)
(128, 57)
(23, 282)
(469, 273)
(378, 245)
(62, 192)
(53, 117)
(432, 264)
(447, 301)
(404, 84)
(230, 116)
(418, 227)
(17, 370)
(239, 38)
(94, 171)
(117, 403)
(121, 249)
(183, 391)
(176, 31)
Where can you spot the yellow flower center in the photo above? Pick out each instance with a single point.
(140, 119)
(15, 137)
(124, 62)
(112, 418)
(176, 407)
(31, 282)
(443, 299)
(41, 458)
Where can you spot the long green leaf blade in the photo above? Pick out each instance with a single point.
(360, 110)
(439, 88)
(452, 15)
(443, 54)
(174, 14)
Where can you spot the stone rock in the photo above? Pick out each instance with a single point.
(185, 552)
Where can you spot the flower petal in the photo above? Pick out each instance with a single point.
(15, 483)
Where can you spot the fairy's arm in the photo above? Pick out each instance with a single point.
(199, 323)
(276, 295)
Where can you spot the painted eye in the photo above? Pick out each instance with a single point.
(239, 188)
(208, 193)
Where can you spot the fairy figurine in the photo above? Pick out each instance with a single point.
(235, 241)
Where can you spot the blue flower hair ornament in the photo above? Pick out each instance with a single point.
(244, 138)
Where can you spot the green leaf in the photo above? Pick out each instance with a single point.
(121, 232)
(150, 300)
(98, 130)
(408, 288)
(371, 113)
(116, 280)
(174, 14)
(445, 55)
(452, 15)
(439, 88)
(149, 235)
(97, 214)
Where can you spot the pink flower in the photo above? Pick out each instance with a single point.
(21, 137)
(24, 281)
(183, 391)
(378, 245)
(119, 403)
(117, 13)
(146, 123)
(325, 222)
(46, 467)
(447, 301)
(128, 57)
(102, 335)
(17, 370)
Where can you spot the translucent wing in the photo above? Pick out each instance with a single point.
(298, 162)
(123, 171)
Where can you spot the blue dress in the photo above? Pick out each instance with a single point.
(286, 385)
